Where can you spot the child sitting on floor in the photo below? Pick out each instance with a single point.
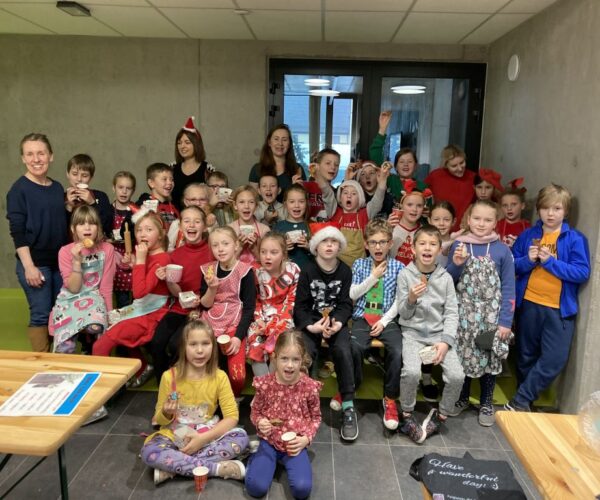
(285, 401)
(191, 435)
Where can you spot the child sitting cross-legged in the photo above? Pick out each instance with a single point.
(428, 316)
(373, 291)
(191, 435)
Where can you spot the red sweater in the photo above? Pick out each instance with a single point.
(144, 276)
(459, 191)
(191, 257)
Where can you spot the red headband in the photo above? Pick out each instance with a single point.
(492, 177)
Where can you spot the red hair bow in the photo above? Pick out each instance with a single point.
(517, 184)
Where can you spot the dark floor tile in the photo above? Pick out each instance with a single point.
(14, 465)
(364, 471)
(403, 458)
(322, 468)
(523, 476)
(113, 470)
(116, 407)
(504, 444)
(464, 431)
(138, 415)
(324, 433)
(44, 481)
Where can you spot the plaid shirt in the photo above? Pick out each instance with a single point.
(361, 271)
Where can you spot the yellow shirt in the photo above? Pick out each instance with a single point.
(543, 287)
(198, 400)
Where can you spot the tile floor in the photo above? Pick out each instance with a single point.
(103, 462)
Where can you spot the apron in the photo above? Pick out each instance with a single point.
(74, 312)
(479, 299)
(139, 307)
(374, 303)
(226, 311)
(355, 248)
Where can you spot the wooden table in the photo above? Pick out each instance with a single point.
(557, 458)
(42, 436)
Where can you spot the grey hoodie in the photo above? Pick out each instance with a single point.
(434, 318)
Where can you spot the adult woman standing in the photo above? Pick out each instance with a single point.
(37, 219)
(190, 161)
(277, 158)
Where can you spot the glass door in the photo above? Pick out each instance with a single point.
(444, 107)
(322, 111)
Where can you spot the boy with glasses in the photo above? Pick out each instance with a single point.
(373, 291)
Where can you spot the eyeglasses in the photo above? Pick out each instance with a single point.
(216, 186)
(196, 200)
(374, 244)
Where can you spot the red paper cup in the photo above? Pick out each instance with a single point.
(200, 478)
(223, 341)
(286, 437)
(174, 273)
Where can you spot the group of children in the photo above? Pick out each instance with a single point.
(235, 277)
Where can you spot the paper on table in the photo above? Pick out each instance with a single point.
(49, 394)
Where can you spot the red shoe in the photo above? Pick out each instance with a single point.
(390, 414)
(336, 402)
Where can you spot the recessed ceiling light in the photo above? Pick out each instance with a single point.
(241, 12)
(408, 89)
(316, 82)
(324, 92)
(73, 8)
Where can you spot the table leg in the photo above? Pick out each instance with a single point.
(62, 465)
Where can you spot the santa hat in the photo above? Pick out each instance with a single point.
(322, 231)
(361, 194)
(491, 177)
(190, 126)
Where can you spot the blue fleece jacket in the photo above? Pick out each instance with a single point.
(503, 259)
(571, 264)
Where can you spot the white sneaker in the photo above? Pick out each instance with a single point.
(231, 469)
(160, 476)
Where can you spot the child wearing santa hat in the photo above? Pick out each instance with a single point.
(353, 214)
(323, 308)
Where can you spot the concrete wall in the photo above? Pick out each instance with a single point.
(545, 126)
(123, 100)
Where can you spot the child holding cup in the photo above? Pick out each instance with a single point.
(191, 435)
(287, 413)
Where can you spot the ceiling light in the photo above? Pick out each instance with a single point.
(413, 87)
(241, 12)
(316, 82)
(408, 89)
(73, 8)
(324, 92)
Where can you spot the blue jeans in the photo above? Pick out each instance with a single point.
(543, 345)
(40, 300)
(261, 469)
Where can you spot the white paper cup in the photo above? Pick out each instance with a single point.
(286, 437)
(151, 205)
(223, 193)
(82, 185)
(200, 478)
(428, 354)
(295, 235)
(174, 273)
(246, 229)
(224, 341)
